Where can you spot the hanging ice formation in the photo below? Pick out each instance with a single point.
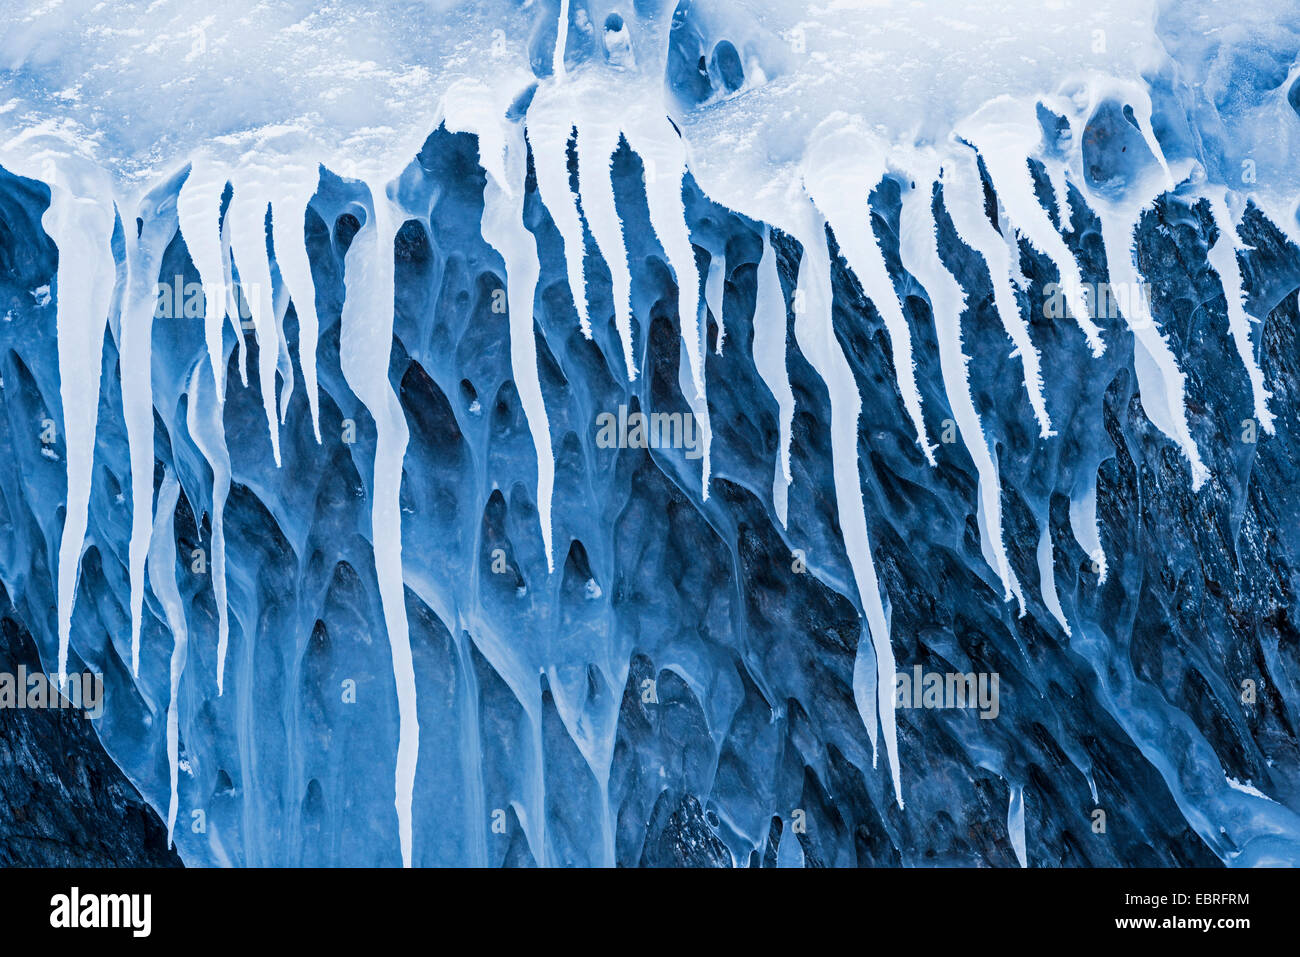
(788, 125)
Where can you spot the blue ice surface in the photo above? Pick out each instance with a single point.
(680, 690)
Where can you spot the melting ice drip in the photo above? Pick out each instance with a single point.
(784, 128)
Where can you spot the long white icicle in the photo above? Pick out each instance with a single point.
(664, 162)
(1161, 382)
(1006, 131)
(247, 217)
(548, 131)
(561, 37)
(504, 229)
(209, 434)
(597, 142)
(1083, 522)
(366, 339)
(83, 230)
(158, 225)
(233, 308)
(840, 172)
(1223, 257)
(162, 576)
(769, 346)
(198, 209)
(1056, 173)
(920, 253)
(1015, 189)
(816, 337)
(288, 224)
(963, 198)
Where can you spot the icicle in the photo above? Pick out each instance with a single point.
(1159, 378)
(471, 107)
(1014, 187)
(199, 211)
(865, 692)
(664, 164)
(366, 339)
(209, 435)
(82, 229)
(548, 132)
(283, 364)
(1083, 521)
(1012, 243)
(288, 236)
(597, 142)
(1016, 824)
(963, 198)
(920, 254)
(1139, 102)
(561, 37)
(789, 853)
(700, 411)
(840, 171)
(1061, 190)
(162, 577)
(158, 224)
(714, 285)
(504, 229)
(247, 217)
(1006, 132)
(1047, 578)
(1223, 258)
(233, 308)
(816, 337)
(769, 348)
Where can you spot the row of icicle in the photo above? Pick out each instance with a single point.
(843, 165)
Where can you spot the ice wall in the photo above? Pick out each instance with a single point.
(368, 587)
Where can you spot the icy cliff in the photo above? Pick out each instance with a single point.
(982, 322)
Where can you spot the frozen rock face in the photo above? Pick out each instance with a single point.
(595, 488)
